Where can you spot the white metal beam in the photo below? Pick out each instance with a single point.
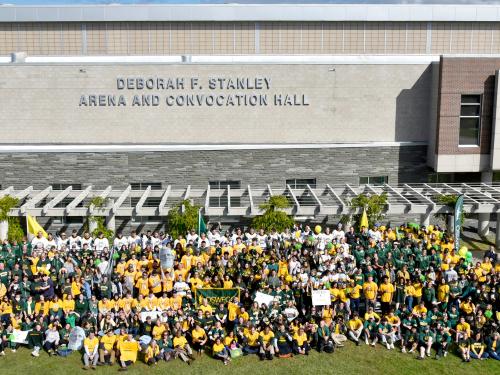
(351, 189)
(293, 196)
(249, 190)
(461, 193)
(314, 196)
(23, 193)
(398, 194)
(188, 191)
(37, 198)
(7, 191)
(58, 198)
(270, 191)
(143, 198)
(430, 201)
(164, 198)
(79, 198)
(121, 199)
(228, 196)
(337, 197)
(488, 196)
(207, 198)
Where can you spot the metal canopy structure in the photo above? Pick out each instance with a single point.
(304, 201)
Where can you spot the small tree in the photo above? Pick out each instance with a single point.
(373, 204)
(182, 218)
(15, 231)
(274, 217)
(6, 204)
(100, 226)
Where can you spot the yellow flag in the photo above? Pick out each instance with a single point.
(34, 227)
(364, 220)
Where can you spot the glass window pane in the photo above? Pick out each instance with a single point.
(471, 99)
(363, 180)
(469, 131)
(470, 110)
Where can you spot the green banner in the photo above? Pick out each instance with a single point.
(459, 206)
(215, 296)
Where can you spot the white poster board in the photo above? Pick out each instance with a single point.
(153, 314)
(19, 337)
(262, 298)
(321, 297)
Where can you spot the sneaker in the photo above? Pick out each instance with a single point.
(428, 354)
(366, 341)
(403, 350)
(388, 346)
(445, 354)
(13, 350)
(357, 343)
(2, 353)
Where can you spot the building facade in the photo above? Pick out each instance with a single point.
(237, 95)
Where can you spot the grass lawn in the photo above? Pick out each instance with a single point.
(348, 360)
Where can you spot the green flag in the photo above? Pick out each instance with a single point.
(202, 227)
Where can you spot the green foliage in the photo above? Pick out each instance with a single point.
(448, 200)
(6, 203)
(16, 232)
(99, 202)
(273, 216)
(182, 218)
(373, 204)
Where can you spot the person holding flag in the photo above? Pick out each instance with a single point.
(36, 233)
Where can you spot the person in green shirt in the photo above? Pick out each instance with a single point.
(425, 340)
(35, 340)
(370, 329)
(410, 340)
(442, 341)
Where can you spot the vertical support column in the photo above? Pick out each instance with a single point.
(451, 224)
(110, 220)
(483, 225)
(497, 236)
(425, 219)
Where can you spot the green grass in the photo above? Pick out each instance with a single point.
(348, 360)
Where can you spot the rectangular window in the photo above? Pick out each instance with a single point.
(301, 183)
(223, 184)
(374, 180)
(149, 202)
(470, 120)
(144, 185)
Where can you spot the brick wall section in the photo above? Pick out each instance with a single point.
(464, 76)
(196, 168)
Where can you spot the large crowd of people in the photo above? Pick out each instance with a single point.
(134, 297)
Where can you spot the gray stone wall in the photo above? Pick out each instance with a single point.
(180, 168)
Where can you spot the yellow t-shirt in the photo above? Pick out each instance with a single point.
(266, 338)
(300, 338)
(108, 342)
(386, 290)
(91, 344)
(179, 342)
(370, 290)
(252, 338)
(217, 348)
(129, 350)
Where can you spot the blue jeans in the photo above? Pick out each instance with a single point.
(473, 355)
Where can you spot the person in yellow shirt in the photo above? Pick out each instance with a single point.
(158, 330)
(155, 286)
(152, 355)
(182, 348)
(301, 342)
(42, 306)
(233, 309)
(386, 291)
(107, 348)
(220, 351)
(462, 329)
(370, 290)
(252, 345)
(355, 327)
(142, 285)
(90, 347)
(68, 305)
(199, 338)
(266, 339)
(420, 309)
(204, 307)
(467, 307)
(128, 351)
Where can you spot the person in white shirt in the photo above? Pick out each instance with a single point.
(155, 240)
(119, 241)
(338, 233)
(180, 287)
(213, 236)
(101, 242)
(39, 241)
(250, 235)
(51, 241)
(262, 239)
(74, 239)
(86, 240)
(375, 234)
(133, 238)
(192, 236)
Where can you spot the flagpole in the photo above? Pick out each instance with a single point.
(199, 221)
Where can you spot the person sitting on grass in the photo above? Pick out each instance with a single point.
(425, 340)
(251, 341)
(35, 340)
(478, 348)
(129, 348)
(266, 339)
(90, 349)
(410, 340)
(355, 327)
(301, 342)
(199, 338)
(219, 351)
(182, 348)
(152, 355)
(107, 348)
(52, 339)
(464, 347)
